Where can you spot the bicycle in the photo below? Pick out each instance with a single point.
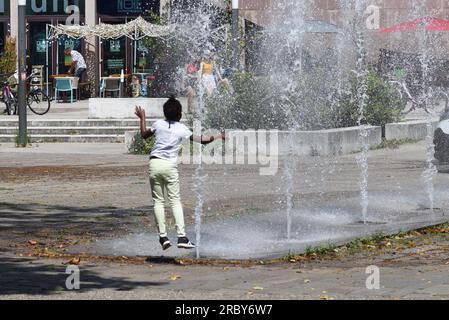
(37, 100)
(8, 97)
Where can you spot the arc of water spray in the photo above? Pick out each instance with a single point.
(362, 99)
(199, 173)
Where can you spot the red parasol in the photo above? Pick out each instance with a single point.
(427, 23)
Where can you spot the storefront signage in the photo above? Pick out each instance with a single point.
(53, 7)
(115, 63)
(128, 7)
(41, 46)
(115, 46)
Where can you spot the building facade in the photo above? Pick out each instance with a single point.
(107, 57)
(104, 57)
(391, 12)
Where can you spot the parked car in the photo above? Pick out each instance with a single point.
(441, 141)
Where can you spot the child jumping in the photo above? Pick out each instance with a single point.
(164, 176)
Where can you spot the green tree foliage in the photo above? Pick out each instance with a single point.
(248, 106)
(384, 104)
(141, 146)
(8, 61)
(314, 103)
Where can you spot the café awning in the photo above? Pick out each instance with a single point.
(427, 24)
(135, 30)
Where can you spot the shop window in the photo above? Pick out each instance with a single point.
(144, 58)
(38, 45)
(114, 56)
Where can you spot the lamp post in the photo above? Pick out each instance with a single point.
(235, 35)
(23, 140)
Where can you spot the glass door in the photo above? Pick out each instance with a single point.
(114, 56)
(38, 45)
(144, 57)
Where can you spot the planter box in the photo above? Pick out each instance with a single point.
(300, 143)
(415, 130)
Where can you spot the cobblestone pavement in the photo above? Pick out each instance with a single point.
(56, 196)
(421, 274)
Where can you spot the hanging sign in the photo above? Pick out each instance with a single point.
(54, 7)
(128, 7)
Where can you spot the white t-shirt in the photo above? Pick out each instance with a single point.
(76, 56)
(169, 138)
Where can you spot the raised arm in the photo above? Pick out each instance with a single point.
(140, 112)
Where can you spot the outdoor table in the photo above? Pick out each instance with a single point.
(74, 82)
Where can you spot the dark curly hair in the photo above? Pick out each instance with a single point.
(173, 110)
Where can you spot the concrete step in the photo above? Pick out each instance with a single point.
(74, 123)
(67, 138)
(70, 130)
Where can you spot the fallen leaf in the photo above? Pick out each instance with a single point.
(307, 281)
(258, 288)
(33, 242)
(174, 278)
(325, 297)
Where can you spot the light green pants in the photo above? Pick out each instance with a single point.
(164, 179)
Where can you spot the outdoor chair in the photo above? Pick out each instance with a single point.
(66, 85)
(110, 85)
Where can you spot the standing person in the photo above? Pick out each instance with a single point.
(207, 75)
(190, 81)
(164, 176)
(78, 66)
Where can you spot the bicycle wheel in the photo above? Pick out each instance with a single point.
(38, 102)
(11, 106)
